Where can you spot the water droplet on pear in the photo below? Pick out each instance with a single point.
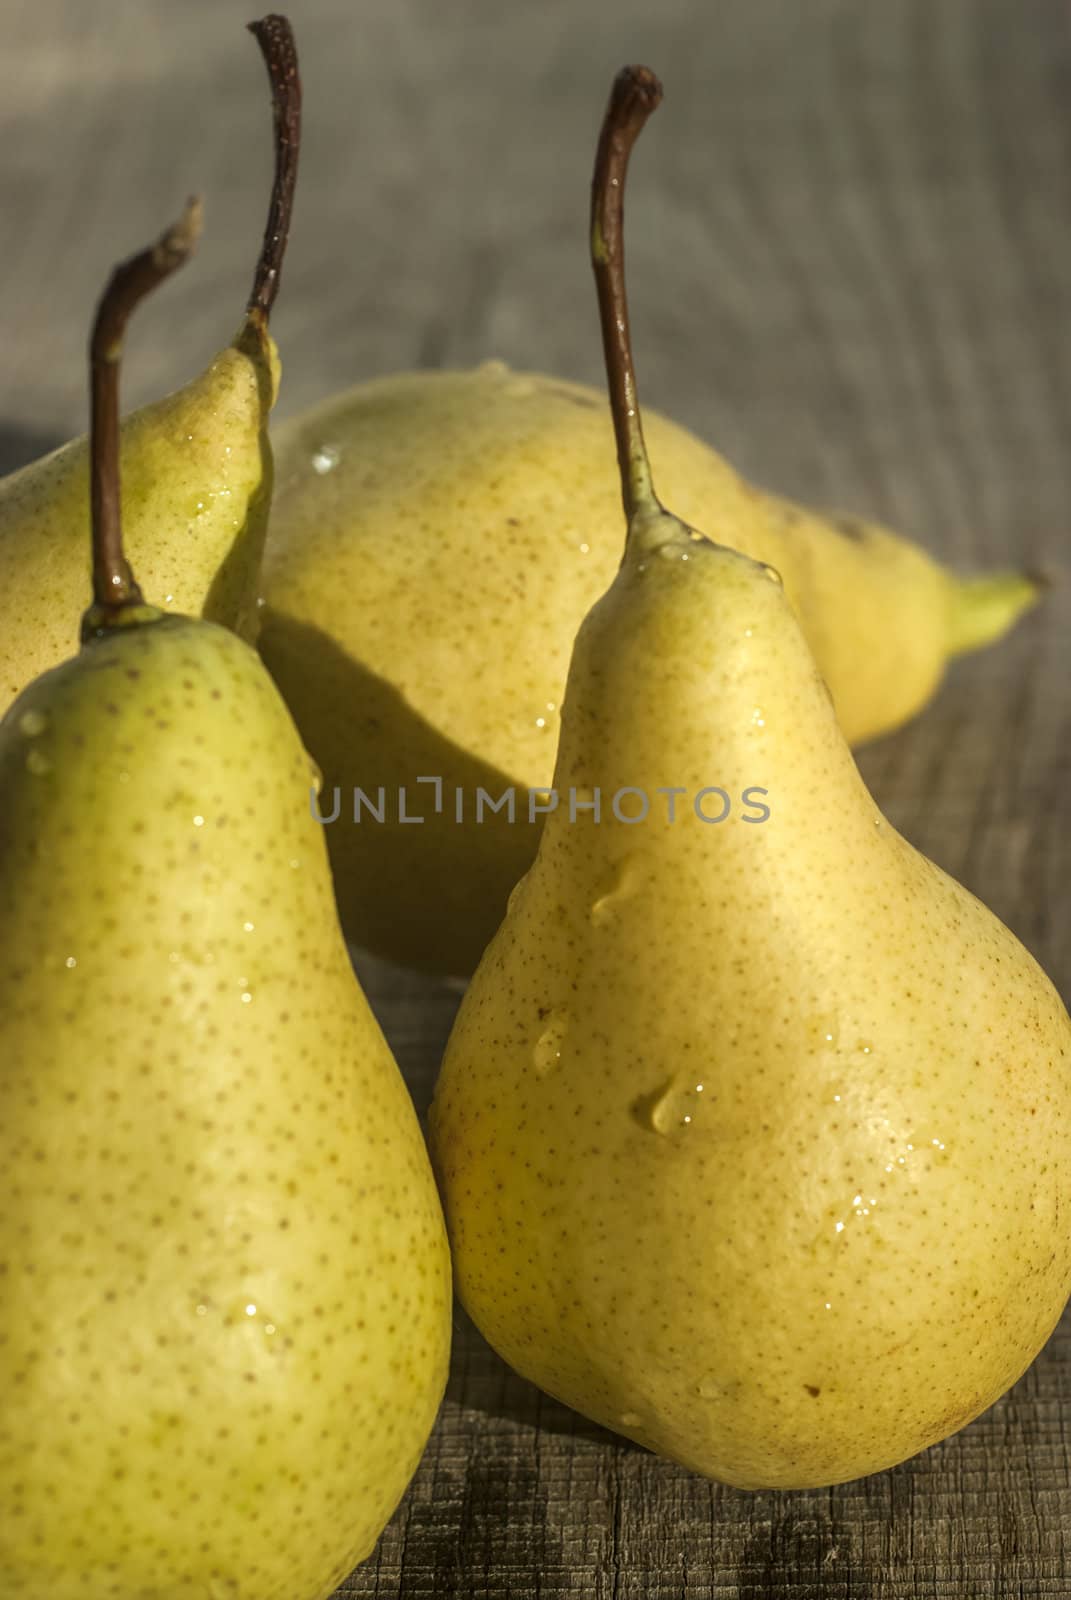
(621, 884)
(547, 1050)
(672, 1111)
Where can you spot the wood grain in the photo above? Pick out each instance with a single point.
(851, 268)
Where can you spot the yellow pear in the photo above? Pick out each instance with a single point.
(753, 1130)
(197, 468)
(435, 541)
(225, 1283)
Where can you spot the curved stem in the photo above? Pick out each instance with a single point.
(114, 585)
(275, 37)
(635, 94)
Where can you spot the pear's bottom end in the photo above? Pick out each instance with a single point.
(767, 1454)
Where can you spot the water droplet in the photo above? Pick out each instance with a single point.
(38, 763)
(71, 962)
(198, 822)
(697, 537)
(773, 575)
(673, 1109)
(757, 717)
(325, 459)
(248, 926)
(547, 1050)
(583, 548)
(246, 998)
(202, 1311)
(541, 722)
(864, 1049)
(33, 723)
(620, 885)
(250, 1311)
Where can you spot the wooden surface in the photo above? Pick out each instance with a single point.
(851, 269)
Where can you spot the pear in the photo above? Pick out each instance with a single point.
(436, 540)
(753, 1130)
(224, 1277)
(197, 467)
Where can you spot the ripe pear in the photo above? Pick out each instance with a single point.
(436, 540)
(753, 1130)
(225, 1290)
(197, 468)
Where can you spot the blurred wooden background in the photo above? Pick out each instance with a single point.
(851, 269)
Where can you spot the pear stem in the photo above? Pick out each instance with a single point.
(635, 94)
(114, 585)
(275, 37)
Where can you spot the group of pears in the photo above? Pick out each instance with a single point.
(752, 1141)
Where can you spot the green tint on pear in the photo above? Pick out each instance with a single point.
(197, 468)
(753, 1140)
(224, 1277)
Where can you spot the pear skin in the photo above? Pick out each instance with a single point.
(197, 472)
(753, 1136)
(753, 1128)
(196, 466)
(225, 1318)
(224, 1278)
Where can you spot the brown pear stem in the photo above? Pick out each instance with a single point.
(635, 94)
(114, 585)
(275, 37)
